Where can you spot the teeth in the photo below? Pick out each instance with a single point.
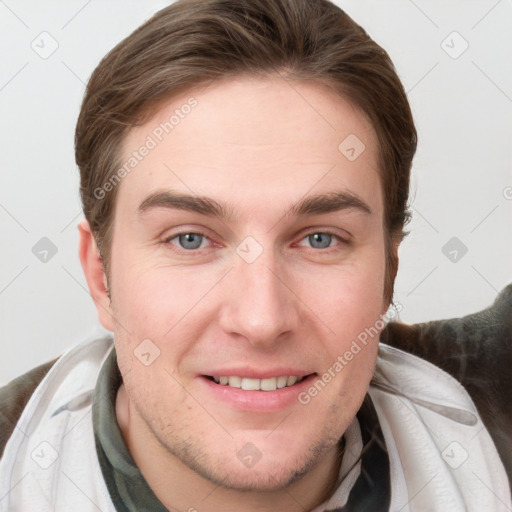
(291, 381)
(281, 382)
(268, 384)
(248, 384)
(235, 382)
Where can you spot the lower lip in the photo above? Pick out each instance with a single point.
(257, 401)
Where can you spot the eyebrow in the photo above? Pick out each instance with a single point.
(311, 205)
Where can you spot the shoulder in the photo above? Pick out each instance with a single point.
(14, 397)
(476, 350)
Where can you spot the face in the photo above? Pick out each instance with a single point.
(274, 273)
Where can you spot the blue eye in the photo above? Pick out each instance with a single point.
(320, 240)
(193, 241)
(189, 241)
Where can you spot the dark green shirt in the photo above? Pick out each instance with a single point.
(127, 487)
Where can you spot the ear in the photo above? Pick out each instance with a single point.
(92, 266)
(392, 261)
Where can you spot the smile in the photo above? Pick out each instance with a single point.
(249, 384)
(250, 394)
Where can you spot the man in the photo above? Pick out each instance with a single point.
(244, 177)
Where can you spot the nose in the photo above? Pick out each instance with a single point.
(259, 302)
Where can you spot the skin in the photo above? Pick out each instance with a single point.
(259, 145)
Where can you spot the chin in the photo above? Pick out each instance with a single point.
(263, 476)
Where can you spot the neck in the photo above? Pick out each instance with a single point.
(178, 487)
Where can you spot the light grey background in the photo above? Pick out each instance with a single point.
(461, 182)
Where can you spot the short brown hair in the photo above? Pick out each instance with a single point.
(195, 41)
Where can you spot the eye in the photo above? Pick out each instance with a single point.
(188, 241)
(322, 239)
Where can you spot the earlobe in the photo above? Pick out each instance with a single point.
(92, 266)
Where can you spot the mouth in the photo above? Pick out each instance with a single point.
(251, 384)
(251, 395)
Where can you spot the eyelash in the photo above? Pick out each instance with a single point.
(167, 241)
(333, 234)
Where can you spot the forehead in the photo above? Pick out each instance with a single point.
(248, 136)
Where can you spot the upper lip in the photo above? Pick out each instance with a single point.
(253, 373)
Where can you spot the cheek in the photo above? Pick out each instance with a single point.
(348, 298)
(164, 305)
(349, 303)
(148, 297)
